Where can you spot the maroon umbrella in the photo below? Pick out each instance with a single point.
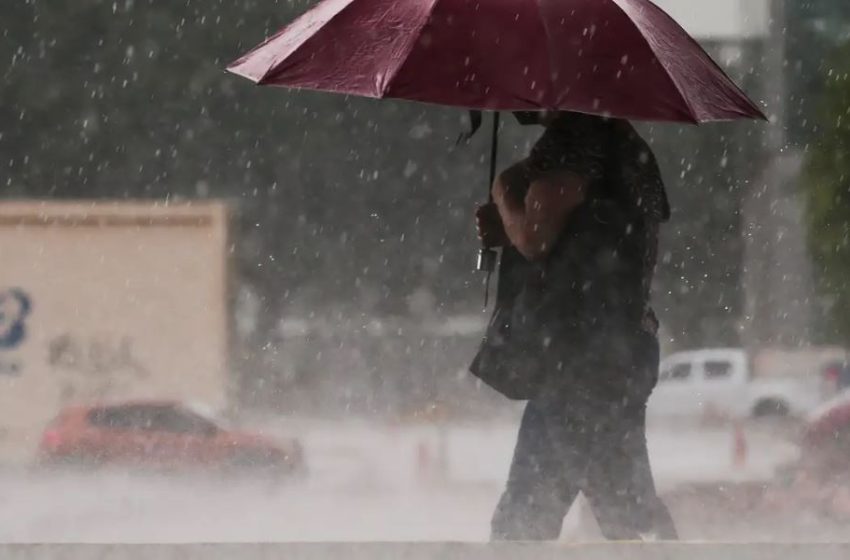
(623, 58)
(620, 58)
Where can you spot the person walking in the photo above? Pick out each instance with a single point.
(578, 221)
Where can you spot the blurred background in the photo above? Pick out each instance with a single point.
(302, 265)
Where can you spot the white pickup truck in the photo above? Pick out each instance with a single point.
(720, 382)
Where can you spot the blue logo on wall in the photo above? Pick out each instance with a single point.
(15, 307)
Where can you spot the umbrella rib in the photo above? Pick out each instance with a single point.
(274, 68)
(550, 51)
(685, 100)
(414, 38)
(730, 82)
(713, 62)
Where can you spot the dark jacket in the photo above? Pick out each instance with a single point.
(590, 295)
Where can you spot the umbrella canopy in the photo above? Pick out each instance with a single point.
(622, 58)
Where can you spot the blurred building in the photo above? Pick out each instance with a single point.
(721, 20)
(109, 301)
(778, 289)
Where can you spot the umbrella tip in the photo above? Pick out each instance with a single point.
(759, 112)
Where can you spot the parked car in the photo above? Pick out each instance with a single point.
(720, 382)
(836, 377)
(164, 434)
(829, 425)
(818, 480)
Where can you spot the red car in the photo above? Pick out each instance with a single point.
(159, 435)
(826, 438)
(830, 422)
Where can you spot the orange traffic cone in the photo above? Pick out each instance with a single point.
(424, 468)
(739, 446)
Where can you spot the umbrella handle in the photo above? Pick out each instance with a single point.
(488, 258)
(494, 155)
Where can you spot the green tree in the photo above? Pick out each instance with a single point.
(813, 29)
(827, 188)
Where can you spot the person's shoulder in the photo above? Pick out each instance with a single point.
(640, 171)
(633, 147)
(578, 146)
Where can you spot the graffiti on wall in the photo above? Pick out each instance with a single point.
(94, 365)
(15, 309)
(98, 365)
(95, 355)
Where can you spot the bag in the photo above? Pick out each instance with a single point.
(496, 362)
(583, 274)
(506, 359)
(589, 284)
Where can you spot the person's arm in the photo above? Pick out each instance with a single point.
(534, 222)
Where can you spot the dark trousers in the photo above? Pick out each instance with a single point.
(591, 437)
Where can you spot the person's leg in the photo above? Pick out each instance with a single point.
(619, 484)
(543, 481)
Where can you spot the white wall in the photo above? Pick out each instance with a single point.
(127, 301)
(720, 19)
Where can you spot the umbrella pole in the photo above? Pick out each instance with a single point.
(494, 156)
(487, 257)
